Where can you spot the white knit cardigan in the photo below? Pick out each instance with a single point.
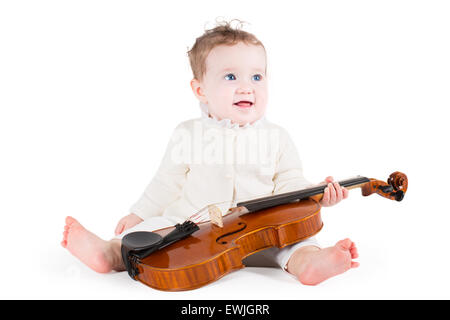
(209, 161)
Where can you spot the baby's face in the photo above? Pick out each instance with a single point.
(234, 85)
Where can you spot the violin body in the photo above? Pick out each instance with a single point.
(174, 259)
(212, 252)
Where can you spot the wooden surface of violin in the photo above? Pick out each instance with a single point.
(211, 252)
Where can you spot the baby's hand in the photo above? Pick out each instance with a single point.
(333, 193)
(127, 222)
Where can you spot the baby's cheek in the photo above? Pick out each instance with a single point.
(261, 108)
(225, 96)
(261, 98)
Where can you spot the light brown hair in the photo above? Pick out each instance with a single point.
(222, 34)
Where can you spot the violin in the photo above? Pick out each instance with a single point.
(190, 255)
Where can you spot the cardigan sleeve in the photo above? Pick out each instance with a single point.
(289, 172)
(167, 184)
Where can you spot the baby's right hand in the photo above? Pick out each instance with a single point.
(127, 222)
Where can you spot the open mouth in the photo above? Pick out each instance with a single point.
(243, 104)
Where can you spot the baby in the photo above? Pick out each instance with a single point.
(231, 153)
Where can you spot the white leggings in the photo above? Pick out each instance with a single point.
(270, 257)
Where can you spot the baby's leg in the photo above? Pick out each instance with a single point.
(312, 265)
(100, 255)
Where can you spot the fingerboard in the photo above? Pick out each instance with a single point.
(279, 199)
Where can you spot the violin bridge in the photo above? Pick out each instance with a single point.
(215, 215)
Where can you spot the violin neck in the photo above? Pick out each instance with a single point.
(279, 199)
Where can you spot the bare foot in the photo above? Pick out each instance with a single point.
(315, 266)
(96, 253)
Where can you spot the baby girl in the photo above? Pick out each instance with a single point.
(232, 152)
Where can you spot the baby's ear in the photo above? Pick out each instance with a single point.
(198, 90)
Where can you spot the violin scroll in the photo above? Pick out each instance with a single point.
(394, 189)
(398, 181)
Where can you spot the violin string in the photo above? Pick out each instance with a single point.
(195, 215)
(198, 217)
(203, 214)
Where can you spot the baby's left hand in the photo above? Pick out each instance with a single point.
(333, 193)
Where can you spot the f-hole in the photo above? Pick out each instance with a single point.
(244, 225)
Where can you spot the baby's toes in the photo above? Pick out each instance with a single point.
(70, 221)
(354, 253)
(64, 241)
(345, 244)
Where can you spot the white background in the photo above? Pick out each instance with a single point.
(91, 90)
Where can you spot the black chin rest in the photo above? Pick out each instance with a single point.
(138, 244)
(141, 240)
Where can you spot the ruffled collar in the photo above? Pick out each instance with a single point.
(226, 123)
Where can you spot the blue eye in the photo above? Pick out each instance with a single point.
(231, 75)
(257, 77)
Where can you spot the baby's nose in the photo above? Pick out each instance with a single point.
(245, 90)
